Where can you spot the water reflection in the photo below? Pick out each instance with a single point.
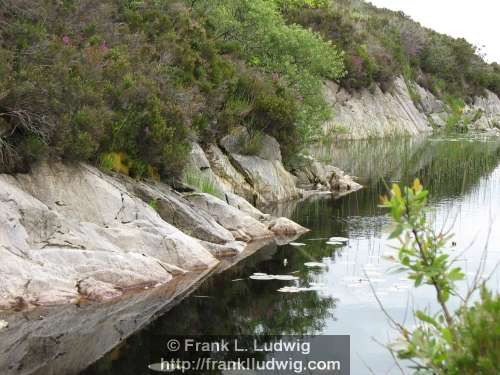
(464, 178)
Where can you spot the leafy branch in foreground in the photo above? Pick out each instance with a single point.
(465, 341)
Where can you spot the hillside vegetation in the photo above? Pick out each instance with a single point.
(380, 44)
(128, 84)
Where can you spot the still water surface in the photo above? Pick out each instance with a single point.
(463, 176)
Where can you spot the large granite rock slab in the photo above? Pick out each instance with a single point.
(367, 114)
(242, 226)
(63, 226)
(270, 180)
(224, 172)
(175, 210)
(488, 107)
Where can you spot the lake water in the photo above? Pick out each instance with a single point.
(463, 176)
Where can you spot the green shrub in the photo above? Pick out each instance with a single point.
(174, 71)
(465, 341)
(397, 43)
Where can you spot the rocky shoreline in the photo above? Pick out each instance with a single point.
(405, 109)
(72, 233)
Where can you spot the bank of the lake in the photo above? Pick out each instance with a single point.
(463, 176)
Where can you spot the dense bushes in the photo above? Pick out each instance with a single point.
(287, 101)
(84, 80)
(141, 79)
(380, 44)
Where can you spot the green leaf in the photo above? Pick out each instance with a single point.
(418, 280)
(396, 232)
(456, 274)
(426, 318)
(447, 335)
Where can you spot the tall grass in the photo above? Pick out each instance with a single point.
(202, 182)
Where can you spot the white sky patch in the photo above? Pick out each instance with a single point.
(477, 21)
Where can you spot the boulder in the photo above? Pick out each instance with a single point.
(341, 183)
(234, 143)
(226, 174)
(439, 119)
(428, 102)
(318, 176)
(197, 158)
(243, 205)
(260, 178)
(242, 226)
(286, 227)
(174, 209)
(271, 181)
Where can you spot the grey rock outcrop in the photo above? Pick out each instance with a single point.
(242, 226)
(315, 175)
(366, 114)
(229, 179)
(68, 232)
(271, 181)
(176, 210)
(406, 109)
(264, 171)
(283, 226)
(488, 109)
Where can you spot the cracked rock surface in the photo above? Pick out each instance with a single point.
(68, 232)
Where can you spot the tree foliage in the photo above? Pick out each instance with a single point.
(142, 79)
(465, 341)
(380, 44)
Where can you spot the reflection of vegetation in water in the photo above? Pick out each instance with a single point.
(226, 307)
(447, 167)
(453, 167)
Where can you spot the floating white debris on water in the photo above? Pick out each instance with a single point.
(339, 239)
(317, 286)
(3, 324)
(296, 289)
(315, 265)
(237, 280)
(290, 289)
(285, 277)
(259, 274)
(264, 276)
(297, 244)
